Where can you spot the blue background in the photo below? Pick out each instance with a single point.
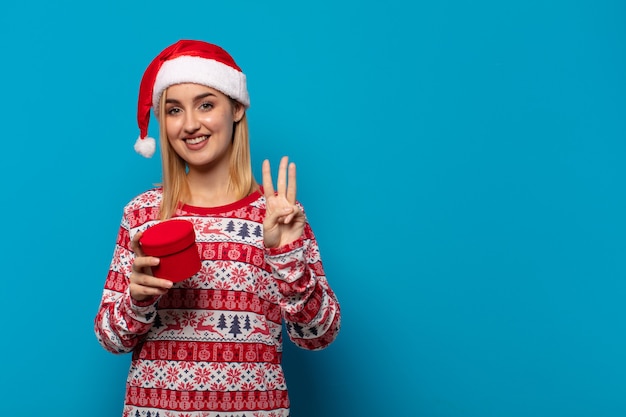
(461, 162)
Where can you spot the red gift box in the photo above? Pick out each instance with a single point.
(174, 243)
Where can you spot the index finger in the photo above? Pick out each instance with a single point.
(268, 186)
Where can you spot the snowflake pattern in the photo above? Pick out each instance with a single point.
(213, 343)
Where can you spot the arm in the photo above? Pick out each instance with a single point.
(121, 320)
(310, 307)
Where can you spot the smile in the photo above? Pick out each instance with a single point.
(195, 141)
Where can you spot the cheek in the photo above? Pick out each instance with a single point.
(172, 127)
(209, 120)
(216, 120)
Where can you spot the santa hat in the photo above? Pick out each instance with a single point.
(186, 61)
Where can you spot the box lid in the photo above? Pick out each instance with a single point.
(168, 237)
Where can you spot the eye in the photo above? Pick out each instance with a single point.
(173, 111)
(206, 105)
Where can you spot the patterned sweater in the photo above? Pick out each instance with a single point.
(212, 345)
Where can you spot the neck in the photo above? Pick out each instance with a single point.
(210, 187)
(209, 190)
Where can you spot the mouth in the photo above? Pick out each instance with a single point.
(196, 140)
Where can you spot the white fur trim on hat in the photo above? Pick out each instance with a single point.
(192, 69)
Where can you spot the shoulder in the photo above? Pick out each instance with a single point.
(148, 200)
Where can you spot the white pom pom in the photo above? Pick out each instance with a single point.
(145, 147)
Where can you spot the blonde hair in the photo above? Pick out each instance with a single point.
(175, 186)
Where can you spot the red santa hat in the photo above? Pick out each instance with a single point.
(186, 61)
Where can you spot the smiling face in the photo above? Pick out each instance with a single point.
(199, 124)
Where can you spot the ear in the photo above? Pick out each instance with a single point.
(238, 111)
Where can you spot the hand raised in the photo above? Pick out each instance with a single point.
(284, 221)
(143, 285)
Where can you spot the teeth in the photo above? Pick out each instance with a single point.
(197, 140)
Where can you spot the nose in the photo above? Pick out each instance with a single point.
(192, 123)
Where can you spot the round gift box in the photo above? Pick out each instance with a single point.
(174, 243)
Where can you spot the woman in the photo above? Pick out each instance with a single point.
(211, 344)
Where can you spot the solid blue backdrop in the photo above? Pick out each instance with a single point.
(461, 164)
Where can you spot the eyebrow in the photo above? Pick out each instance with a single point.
(196, 98)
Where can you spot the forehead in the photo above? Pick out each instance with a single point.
(191, 91)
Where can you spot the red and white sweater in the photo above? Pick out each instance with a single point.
(212, 345)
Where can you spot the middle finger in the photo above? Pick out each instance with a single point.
(281, 183)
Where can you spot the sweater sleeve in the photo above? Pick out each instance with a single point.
(310, 307)
(121, 321)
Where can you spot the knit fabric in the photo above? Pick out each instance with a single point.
(212, 345)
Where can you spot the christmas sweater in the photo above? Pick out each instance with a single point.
(212, 345)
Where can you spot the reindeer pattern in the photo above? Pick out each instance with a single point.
(233, 297)
(214, 341)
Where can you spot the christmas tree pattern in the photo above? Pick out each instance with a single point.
(243, 232)
(234, 328)
(221, 322)
(298, 329)
(185, 356)
(157, 322)
(230, 227)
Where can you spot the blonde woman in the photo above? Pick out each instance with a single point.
(211, 344)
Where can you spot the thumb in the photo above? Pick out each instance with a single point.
(136, 244)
